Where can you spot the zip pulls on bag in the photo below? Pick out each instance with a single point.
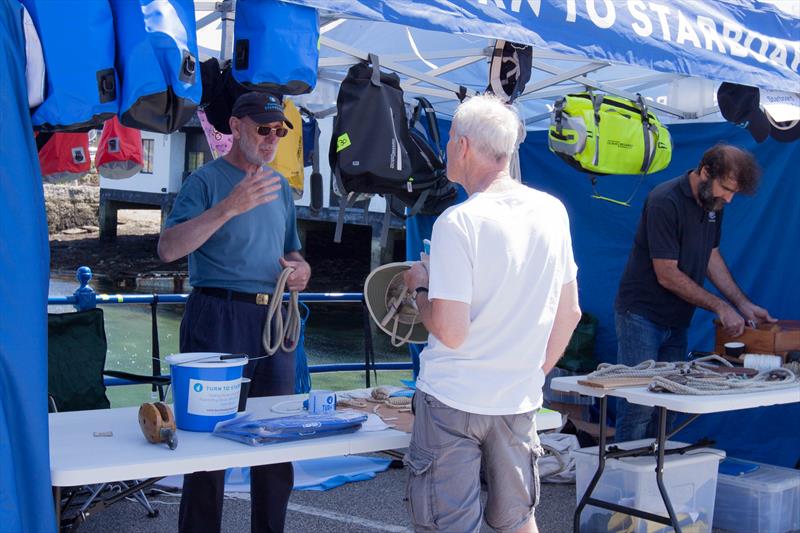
(626, 203)
(612, 200)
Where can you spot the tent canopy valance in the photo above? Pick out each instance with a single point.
(623, 48)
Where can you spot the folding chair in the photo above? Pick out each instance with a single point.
(76, 366)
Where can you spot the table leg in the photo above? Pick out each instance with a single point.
(662, 442)
(601, 463)
(57, 502)
(603, 455)
(368, 349)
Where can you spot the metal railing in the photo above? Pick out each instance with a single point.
(85, 298)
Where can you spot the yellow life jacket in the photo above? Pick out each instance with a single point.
(289, 159)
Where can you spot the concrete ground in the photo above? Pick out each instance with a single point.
(364, 507)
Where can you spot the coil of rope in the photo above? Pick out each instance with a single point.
(652, 368)
(287, 332)
(699, 376)
(777, 378)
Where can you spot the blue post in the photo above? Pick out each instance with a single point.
(85, 297)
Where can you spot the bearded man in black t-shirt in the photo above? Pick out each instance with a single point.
(676, 247)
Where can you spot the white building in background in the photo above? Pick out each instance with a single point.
(154, 187)
(168, 159)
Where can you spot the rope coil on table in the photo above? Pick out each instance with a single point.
(699, 377)
(652, 368)
(778, 378)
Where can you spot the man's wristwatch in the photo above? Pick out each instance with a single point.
(420, 289)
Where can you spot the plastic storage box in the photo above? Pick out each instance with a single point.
(764, 500)
(690, 480)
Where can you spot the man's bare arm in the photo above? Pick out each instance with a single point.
(722, 279)
(258, 187)
(186, 237)
(568, 314)
(447, 320)
(671, 278)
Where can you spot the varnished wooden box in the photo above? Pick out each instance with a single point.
(778, 338)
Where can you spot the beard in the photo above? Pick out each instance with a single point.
(253, 154)
(705, 193)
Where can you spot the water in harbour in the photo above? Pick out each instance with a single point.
(334, 334)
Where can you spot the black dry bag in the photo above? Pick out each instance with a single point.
(367, 152)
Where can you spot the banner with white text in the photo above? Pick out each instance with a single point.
(748, 42)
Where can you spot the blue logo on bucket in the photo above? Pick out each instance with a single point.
(321, 402)
(198, 387)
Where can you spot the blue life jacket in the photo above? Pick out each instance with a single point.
(276, 46)
(310, 136)
(78, 44)
(158, 64)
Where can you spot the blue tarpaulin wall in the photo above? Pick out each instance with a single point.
(25, 497)
(760, 242)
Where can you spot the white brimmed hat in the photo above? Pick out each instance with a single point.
(392, 306)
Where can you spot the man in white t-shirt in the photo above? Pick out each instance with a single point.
(500, 308)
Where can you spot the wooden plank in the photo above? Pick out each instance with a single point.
(615, 382)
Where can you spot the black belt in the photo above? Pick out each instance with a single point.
(227, 294)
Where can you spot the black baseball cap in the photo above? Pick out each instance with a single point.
(785, 132)
(740, 104)
(786, 106)
(261, 107)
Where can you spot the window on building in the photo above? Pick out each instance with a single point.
(197, 150)
(194, 160)
(148, 146)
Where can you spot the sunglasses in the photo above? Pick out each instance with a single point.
(265, 131)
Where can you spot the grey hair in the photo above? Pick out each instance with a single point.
(492, 126)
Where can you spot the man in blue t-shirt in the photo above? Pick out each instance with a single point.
(676, 247)
(235, 218)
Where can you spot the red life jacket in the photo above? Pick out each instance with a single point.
(119, 152)
(64, 157)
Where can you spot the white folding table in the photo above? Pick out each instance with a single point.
(694, 405)
(89, 447)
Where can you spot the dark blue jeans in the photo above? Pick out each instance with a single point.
(212, 324)
(638, 340)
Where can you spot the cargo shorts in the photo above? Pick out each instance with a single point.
(448, 449)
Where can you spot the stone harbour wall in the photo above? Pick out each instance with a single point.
(71, 206)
